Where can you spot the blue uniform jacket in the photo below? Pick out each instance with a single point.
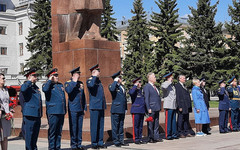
(223, 99)
(55, 97)
(152, 99)
(119, 101)
(234, 97)
(198, 100)
(33, 101)
(76, 96)
(138, 103)
(96, 94)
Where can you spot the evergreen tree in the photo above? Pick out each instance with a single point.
(138, 54)
(40, 38)
(165, 27)
(199, 56)
(229, 62)
(108, 24)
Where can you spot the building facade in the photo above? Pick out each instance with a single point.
(14, 27)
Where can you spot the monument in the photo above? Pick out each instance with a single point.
(76, 41)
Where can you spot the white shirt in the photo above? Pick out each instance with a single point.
(154, 87)
(183, 85)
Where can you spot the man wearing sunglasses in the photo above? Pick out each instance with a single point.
(55, 109)
(76, 107)
(32, 110)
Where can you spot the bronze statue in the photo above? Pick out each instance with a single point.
(79, 19)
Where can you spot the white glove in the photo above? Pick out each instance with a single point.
(116, 79)
(125, 111)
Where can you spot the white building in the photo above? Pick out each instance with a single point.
(14, 27)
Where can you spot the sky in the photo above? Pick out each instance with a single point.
(123, 8)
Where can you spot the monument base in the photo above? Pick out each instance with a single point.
(86, 53)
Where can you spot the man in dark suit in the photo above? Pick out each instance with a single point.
(97, 105)
(184, 107)
(118, 109)
(32, 110)
(153, 104)
(55, 108)
(206, 96)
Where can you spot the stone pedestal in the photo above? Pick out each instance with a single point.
(84, 53)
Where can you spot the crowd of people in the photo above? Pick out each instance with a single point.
(146, 101)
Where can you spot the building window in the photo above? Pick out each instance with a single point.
(20, 28)
(2, 8)
(21, 49)
(3, 30)
(22, 67)
(3, 51)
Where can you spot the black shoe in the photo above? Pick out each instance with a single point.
(80, 148)
(169, 138)
(74, 148)
(118, 145)
(175, 137)
(208, 133)
(137, 143)
(124, 144)
(158, 140)
(151, 141)
(102, 146)
(222, 132)
(95, 147)
(143, 142)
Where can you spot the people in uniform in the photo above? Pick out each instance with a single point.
(137, 110)
(234, 96)
(76, 107)
(206, 96)
(200, 109)
(184, 107)
(32, 110)
(153, 104)
(223, 107)
(55, 109)
(169, 105)
(118, 109)
(97, 105)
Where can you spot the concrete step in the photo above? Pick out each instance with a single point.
(213, 113)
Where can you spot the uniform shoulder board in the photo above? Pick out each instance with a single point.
(90, 78)
(110, 86)
(69, 80)
(66, 84)
(219, 89)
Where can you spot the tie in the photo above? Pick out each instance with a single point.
(155, 89)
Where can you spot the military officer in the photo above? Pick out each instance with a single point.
(32, 110)
(234, 96)
(76, 107)
(97, 105)
(118, 109)
(137, 110)
(56, 109)
(223, 107)
(170, 106)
